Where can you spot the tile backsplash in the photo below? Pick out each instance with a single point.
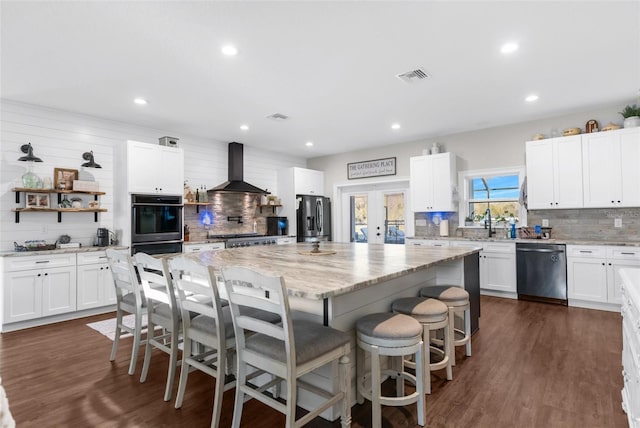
(588, 224)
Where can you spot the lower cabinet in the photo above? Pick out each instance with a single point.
(39, 286)
(95, 283)
(497, 265)
(593, 273)
(209, 246)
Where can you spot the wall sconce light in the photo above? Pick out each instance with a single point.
(88, 156)
(26, 148)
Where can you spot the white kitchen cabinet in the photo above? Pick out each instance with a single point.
(38, 286)
(611, 168)
(497, 265)
(593, 274)
(154, 169)
(308, 181)
(208, 246)
(95, 283)
(554, 173)
(428, 242)
(433, 182)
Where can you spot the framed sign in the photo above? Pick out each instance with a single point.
(63, 178)
(371, 168)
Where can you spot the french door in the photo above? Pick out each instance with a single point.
(375, 216)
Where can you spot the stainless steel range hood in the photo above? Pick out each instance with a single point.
(236, 181)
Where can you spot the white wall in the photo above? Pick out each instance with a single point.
(60, 138)
(487, 148)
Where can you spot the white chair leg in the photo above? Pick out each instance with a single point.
(452, 337)
(292, 399)
(184, 373)
(240, 382)
(426, 358)
(360, 373)
(147, 349)
(447, 346)
(421, 365)
(345, 388)
(398, 367)
(219, 390)
(116, 339)
(376, 410)
(136, 343)
(173, 362)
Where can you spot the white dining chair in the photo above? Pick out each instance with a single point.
(287, 350)
(207, 328)
(129, 299)
(163, 311)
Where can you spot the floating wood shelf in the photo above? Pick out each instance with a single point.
(28, 190)
(198, 205)
(95, 195)
(273, 207)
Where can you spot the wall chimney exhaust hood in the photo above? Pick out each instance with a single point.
(236, 181)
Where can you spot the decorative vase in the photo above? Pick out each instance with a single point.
(29, 179)
(632, 122)
(435, 149)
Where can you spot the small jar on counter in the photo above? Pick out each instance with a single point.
(186, 232)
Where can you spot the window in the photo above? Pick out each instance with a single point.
(494, 192)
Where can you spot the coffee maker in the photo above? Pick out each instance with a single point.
(102, 238)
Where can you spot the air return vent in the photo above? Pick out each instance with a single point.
(278, 117)
(413, 76)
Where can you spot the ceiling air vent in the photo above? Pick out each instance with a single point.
(413, 76)
(278, 117)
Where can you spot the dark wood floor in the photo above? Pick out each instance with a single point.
(533, 365)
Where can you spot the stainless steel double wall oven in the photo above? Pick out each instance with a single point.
(156, 224)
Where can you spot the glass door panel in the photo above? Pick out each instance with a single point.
(377, 217)
(394, 218)
(359, 218)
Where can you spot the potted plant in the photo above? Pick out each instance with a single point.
(631, 114)
(468, 221)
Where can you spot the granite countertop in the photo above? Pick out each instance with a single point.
(10, 253)
(530, 241)
(351, 267)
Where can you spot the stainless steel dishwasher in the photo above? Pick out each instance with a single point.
(542, 272)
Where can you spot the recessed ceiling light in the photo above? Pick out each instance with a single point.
(509, 48)
(309, 144)
(229, 50)
(395, 126)
(140, 101)
(244, 127)
(531, 98)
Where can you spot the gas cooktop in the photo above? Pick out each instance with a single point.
(234, 236)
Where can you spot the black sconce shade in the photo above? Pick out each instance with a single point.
(26, 148)
(88, 156)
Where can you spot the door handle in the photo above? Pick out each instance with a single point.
(378, 234)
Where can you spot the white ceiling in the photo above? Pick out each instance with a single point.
(329, 66)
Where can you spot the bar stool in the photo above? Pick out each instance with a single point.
(433, 315)
(457, 299)
(393, 335)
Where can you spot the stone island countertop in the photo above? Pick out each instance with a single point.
(351, 267)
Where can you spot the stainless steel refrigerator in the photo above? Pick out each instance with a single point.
(313, 215)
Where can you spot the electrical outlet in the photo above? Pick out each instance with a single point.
(545, 222)
(617, 222)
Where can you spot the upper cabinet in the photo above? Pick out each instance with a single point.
(554, 173)
(611, 166)
(308, 181)
(432, 182)
(152, 169)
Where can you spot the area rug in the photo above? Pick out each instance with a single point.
(108, 327)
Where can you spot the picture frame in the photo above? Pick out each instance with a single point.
(63, 178)
(37, 200)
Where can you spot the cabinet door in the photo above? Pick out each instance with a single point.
(498, 271)
(170, 181)
(418, 184)
(58, 290)
(143, 162)
(567, 159)
(441, 185)
(540, 183)
(22, 295)
(108, 286)
(90, 292)
(614, 281)
(602, 176)
(308, 182)
(587, 279)
(630, 166)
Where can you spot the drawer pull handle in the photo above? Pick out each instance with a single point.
(586, 251)
(102, 257)
(628, 254)
(42, 261)
(196, 249)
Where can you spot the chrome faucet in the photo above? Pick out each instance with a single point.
(488, 216)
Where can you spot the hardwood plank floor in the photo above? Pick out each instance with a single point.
(533, 365)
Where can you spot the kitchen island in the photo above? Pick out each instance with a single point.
(353, 280)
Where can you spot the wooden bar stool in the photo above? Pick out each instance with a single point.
(393, 335)
(457, 299)
(434, 316)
